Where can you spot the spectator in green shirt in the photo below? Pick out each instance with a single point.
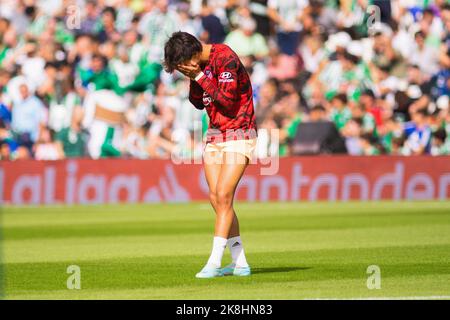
(340, 112)
(288, 133)
(99, 74)
(367, 144)
(287, 114)
(368, 121)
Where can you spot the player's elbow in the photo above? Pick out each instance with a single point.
(197, 104)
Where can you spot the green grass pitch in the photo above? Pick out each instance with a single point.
(296, 250)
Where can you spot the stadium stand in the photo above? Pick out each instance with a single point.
(84, 78)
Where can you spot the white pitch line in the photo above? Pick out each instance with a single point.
(388, 298)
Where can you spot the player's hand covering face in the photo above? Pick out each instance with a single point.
(190, 68)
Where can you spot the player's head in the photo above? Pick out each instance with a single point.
(181, 48)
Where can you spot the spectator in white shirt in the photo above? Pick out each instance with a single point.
(286, 14)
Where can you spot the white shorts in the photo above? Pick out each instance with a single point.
(244, 147)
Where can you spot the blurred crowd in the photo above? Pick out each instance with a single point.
(83, 78)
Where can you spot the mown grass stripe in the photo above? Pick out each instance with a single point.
(297, 251)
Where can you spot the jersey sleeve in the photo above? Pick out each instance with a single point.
(196, 95)
(225, 93)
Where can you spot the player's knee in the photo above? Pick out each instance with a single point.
(224, 198)
(213, 198)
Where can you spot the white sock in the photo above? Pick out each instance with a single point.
(219, 245)
(237, 251)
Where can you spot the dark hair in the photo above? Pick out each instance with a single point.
(6, 20)
(419, 34)
(350, 57)
(341, 97)
(428, 11)
(111, 11)
(101, 57)
(386, 68)
(440, 134)
(52, 64)
(358, 121)
(317, 107)
(368, 92)
(180, 47)
(423, 112)
(30, 11)
(369, 137)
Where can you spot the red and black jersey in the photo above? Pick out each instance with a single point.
(225, 91)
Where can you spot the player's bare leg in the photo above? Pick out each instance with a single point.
(213, 165)
(234, 231)
(223, 173)
(233, 167)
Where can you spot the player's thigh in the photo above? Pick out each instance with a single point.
(231, 173)
(212, 163)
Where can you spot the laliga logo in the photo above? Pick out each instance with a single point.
(225, 77)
